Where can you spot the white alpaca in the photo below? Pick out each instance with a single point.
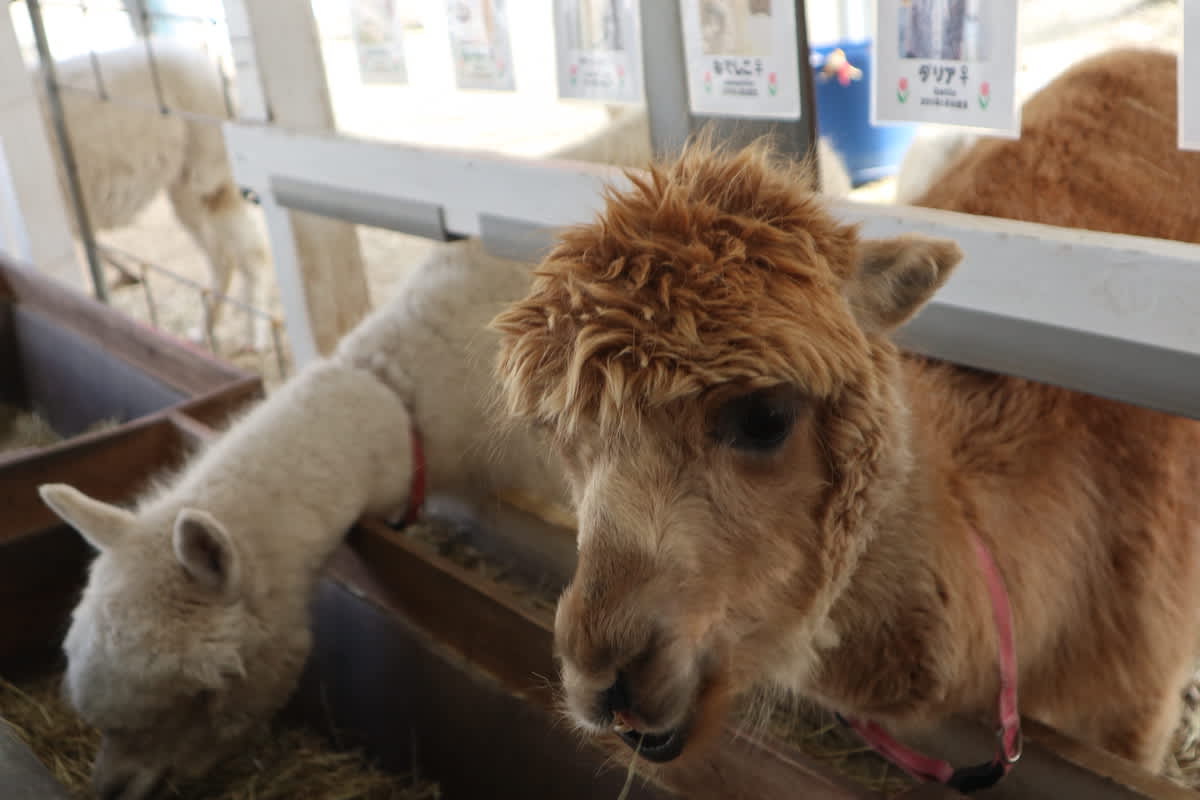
(930, 152)
(127, 152)
(194, 625)
(625, 142)
(431, 344)
(194, 628)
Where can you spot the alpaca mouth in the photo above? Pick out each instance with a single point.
(656, 747)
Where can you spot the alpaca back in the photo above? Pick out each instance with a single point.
(126, 151)
(1089, 504)
(1097, 151)
(431, 344)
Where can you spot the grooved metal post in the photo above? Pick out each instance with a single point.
(671, 120)
(58, 118)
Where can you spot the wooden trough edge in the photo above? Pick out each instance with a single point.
(193, 370)
(492, 628)
(489, 626)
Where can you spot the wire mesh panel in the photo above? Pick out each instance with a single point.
(137, 91)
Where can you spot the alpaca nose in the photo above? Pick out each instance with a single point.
(618, 698)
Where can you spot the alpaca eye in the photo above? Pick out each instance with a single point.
(758, 422)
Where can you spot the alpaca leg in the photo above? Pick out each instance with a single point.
(221, 226)
(233, 229)
(189, 210)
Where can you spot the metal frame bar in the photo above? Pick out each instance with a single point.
(1113, 315)
(58, 118)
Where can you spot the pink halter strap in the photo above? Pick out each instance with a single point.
(1008, 734)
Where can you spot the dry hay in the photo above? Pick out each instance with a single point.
(292, 763)
(452, 543)
(26, 430)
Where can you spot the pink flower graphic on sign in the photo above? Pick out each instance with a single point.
(985, 96)
(772, 83)
(902, 90)
(574, 74)
(620, 76)
(708, 81)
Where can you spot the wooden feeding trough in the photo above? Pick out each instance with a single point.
(75, 362)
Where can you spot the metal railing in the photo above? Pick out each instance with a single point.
(136, 268)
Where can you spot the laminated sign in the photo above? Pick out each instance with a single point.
(949, 62)
(379, 40)
(599, 50)
(742, 58)
(480, 43)
(1189, 78)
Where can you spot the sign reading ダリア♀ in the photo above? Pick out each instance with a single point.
(599, 50)
(949, 62)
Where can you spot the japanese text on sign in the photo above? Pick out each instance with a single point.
(950, 62)
(742, 58)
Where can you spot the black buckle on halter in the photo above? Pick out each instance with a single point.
(973, 779)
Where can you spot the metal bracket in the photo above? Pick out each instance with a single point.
(363, 208)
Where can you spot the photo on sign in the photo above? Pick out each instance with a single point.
(948, 30)
(477, 22)
(736, 27)
(596, 25)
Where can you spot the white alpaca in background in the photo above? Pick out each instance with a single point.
(127, 151)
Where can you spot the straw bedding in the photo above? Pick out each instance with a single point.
(21, 429)
(290, 764)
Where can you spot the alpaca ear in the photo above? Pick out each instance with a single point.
(98, 522)
(895, 277)
(206, 552)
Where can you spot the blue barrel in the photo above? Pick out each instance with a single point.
(844, 113)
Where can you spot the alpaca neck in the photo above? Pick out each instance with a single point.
(289, 480)
(892, 619)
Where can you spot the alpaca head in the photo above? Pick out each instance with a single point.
(167, 656)
(710, 360)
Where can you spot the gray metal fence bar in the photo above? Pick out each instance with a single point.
(70, 168)
(1136, 372)
(670, 116)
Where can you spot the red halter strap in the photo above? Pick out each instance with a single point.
(1008, 734)
(416, 495)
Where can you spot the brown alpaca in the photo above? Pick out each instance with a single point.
(769, 493)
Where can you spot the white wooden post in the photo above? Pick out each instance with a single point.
(281, 80)
(34, 225)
